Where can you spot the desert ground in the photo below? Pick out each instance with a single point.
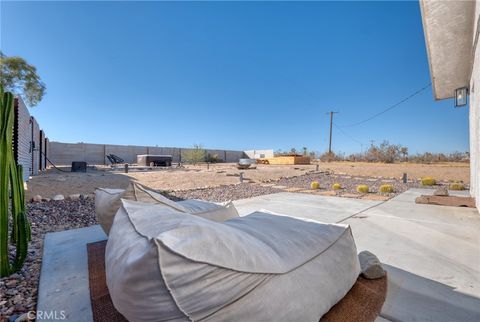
(52, 181)
(220, 182)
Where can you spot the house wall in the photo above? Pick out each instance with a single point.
(255, 154)
(474, 120)
(64, 153)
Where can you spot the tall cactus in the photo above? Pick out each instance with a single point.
(12, 194)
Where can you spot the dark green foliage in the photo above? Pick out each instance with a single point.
(12, 194)
(19, 77)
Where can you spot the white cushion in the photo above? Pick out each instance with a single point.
(164, 265)
(213, 211)
(107, 203)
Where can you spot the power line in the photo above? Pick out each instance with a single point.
(348, 135)
(391, 107)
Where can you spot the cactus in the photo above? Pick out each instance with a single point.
(315, 185)
(362, 188)
(336, 186)
(386, 188)
(456, 186)
(428, 181)
(11, 186)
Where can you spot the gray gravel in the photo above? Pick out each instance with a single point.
(349, 184)
(326, 180)
(18, 292)
(224, 193)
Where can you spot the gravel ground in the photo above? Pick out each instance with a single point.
(326, 180)
(348, 183)
(18, 292)
(225, 193)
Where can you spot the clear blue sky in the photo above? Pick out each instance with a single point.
(232, 75)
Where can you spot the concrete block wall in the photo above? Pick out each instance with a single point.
(95, 154)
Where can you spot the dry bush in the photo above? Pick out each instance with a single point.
(428, 181)
(363, 188)
(456, 186)
(336, 186)
(386, 188)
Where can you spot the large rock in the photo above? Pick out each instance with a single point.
(37, 198)
(441, 191)
(74, 196)
(370, 265)
(58, 197)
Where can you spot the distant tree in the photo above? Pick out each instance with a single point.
(194, 155)
(404, 152)
(293, 151)
(305, 151)
(20, 78)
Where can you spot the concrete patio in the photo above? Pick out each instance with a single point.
(431, 253)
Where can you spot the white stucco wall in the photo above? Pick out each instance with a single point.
(475, 117)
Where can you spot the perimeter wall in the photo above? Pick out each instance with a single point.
(64, 153)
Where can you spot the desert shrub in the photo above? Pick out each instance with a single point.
(385, 152)
(315, 185)
(386, 188)
(363, 188)
(213, 158)
(428, 181)
(456, 186)
(194, 155)
(336, 186)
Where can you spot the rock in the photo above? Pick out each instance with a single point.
(12, 318)
(58, 197)
(441, 191)
(11, 292)
(24, 317)
(370, 265)
(74, 196)
(11, 283)
(37, 198)
(46, 199)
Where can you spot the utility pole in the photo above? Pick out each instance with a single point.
(331, 124)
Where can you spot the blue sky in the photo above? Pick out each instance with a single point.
(232, 75)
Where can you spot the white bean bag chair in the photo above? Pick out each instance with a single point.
(165, 265)
(107, 203)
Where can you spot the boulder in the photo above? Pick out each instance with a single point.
(58, 197)
(370, 265)
(441, 191)
(74, 196)
(37, 198)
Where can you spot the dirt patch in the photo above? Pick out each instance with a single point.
(451, 171)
